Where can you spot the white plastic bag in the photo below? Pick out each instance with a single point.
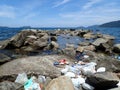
(70, 74)
(31, 85)
(87, 86)
(21, 78)
(78, 81)
(101, 69)
(41, 79)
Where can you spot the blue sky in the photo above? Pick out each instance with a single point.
(58, 13)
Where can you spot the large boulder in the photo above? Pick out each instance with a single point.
(103, 81)
(116, 48)
(40, 65)
(103, 44)
(99, 41)
(4, 58)
(107, 76)
(19, 39)
(89, 36)
(7, 85)
(60, 83)
(54, 45)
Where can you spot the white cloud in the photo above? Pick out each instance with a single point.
(91, 3)
(97, 15)
(57, 4)
(29, 16)
(7, 11)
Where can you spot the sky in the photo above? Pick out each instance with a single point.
(58, 13)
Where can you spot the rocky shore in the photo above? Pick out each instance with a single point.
(98, 48)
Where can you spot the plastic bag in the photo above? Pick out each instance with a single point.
(78, 81)
(70, 74)
(21, 78)
(31, 85)
(87, 86)
(101, 69)
(41, 79)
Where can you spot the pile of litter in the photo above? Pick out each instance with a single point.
(80, 71)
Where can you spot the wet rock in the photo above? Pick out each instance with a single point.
(103, 45)
(80, 49)
(4, 58)
(89, 36)
(60, 83)
(40, 43)
(19, 39)
(70, 45)
(84, 43)
(81, 33)
(109, 37)
(69, 51)
(7, 85)
(116, 48)
(99, 41)
(90, 47)
(54, 45)
(53, 38)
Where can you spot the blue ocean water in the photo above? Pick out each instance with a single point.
(111, 31)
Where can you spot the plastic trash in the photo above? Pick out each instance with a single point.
(64, 71)
(118, 84)
(101, 69)
(86, 56)
(63, 61)
(70, 74)
(87, 86)
(89, 68)
(21, 78)
(78, 81)
(75, 70)
(118, 57)
(56, 63)
(41, 79)
(31, 85)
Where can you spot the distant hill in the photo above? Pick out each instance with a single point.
(111, 24)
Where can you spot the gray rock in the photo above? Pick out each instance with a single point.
(89, 36)
(69, 51)
(107, 76)
(4, 58)
(7, 85)
(54, 45)
(102, 81)
(42, 65)
(108, 37)
(99, 41)
(84, 43)
(116, 48)
(53, 38)
(39, 65)
(60, 83)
